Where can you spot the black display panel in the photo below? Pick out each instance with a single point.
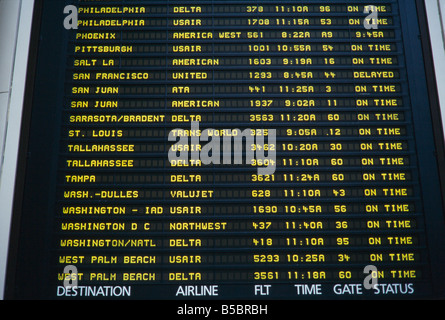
(260, 150)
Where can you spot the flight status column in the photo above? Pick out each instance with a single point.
(242, 149)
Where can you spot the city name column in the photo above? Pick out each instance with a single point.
(113, 145)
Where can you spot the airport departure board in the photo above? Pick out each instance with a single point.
(236, 150)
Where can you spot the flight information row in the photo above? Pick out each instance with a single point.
(402, 240)
(216, 75)
(241, 47)
(156, 192)
(202, 225)
(257, 104)
(294, 146)
(384, 160)
(202, 23)
(260, 257)
(244, 274)
(214, 8)
(293, 88)
(266, 208)
(143, 35)
(218, 176)
(251, 131)
(96, 115)
(216, 63)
